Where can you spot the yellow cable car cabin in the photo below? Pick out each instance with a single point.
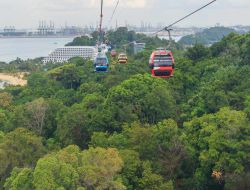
(122, 58)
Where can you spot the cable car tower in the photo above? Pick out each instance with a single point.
(100, 40)
(101, 63)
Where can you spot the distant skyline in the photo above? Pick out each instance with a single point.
(28, 13)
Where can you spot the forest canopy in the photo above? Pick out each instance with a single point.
(73, 129)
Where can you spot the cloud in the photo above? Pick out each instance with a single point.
(62, 5)
(82, 12)
(76, 5)
(123, 3)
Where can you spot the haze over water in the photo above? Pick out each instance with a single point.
(29, 48)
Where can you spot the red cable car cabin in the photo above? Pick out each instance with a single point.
(113, 53)
(161, 63)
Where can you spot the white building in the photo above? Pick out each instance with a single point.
(65, 53)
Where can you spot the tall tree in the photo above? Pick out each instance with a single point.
(20, 148)
(141, 97)
(221, 143)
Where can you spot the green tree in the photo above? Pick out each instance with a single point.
(131, 170)
(72, 169)
(5, 100)
(37, 113)
(90, 88)
(39, 85)
(79, 121)
(220, 141)
(69, 75)
(141, 97)
(162, 144)
(197, 52)
(20, 179)
(38, 116)
(1, 136)
(247, 106)
(99, 166)
(151, 181)
(3, 119)
(82, 41)
(52, 173)
(19, 148)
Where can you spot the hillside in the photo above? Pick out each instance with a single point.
(73, 129)
(207, 37)
(122, 39)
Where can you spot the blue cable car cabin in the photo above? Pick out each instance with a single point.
(101, 63)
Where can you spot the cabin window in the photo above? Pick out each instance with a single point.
(101, 61)
(163, 60)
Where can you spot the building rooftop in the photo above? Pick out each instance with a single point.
(63, 54)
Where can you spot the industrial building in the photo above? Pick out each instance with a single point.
(10, 31)
(65, 53)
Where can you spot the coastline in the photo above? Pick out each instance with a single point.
(2, 84)
(15, 79)
(29, 48)
(14, 37)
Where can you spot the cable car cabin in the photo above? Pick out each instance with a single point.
(122, 58)
(101, 63)
(113, 53)
(161, 63)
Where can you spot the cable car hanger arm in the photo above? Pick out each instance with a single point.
(111, 18)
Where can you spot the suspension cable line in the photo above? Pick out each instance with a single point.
(167, 27)
(111, 18)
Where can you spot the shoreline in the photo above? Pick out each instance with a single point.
(29, 48)
(15, 79)
(39, 37)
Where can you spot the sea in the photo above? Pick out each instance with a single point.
(29, 48)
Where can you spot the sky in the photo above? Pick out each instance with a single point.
(28, 13)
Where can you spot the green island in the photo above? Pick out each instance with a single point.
(207, 36)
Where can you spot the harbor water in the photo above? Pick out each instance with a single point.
(29, 48)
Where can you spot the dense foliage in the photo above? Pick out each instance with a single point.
(73, 129)
(122, 39)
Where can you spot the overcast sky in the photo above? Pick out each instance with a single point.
(27, 13)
